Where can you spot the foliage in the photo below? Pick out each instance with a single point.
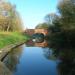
(9, 18)
(62, 31)
(43, 25)
(66, 9)
(49, 18)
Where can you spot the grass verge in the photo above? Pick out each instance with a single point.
(7, 38)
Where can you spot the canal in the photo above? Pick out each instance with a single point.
(31, 60)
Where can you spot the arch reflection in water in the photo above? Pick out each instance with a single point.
(31, 43)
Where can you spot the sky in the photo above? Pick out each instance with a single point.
(33, 12)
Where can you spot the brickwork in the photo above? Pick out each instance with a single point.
(33, 31)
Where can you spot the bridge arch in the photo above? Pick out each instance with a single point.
(43, 31)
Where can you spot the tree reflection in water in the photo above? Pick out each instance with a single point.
(65, 57)
(48, 53)
(66, 66)
(13, 58)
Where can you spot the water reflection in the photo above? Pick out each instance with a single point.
(41, 60)
(25, 60)
(64, 57)
(31, 43)
(12, 59)
(67, 66)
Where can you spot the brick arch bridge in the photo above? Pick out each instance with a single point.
(33, 31)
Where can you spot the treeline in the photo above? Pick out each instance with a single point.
(9, 17)
(62, 25)
(42, 25)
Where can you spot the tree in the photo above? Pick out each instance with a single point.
(42, 25)
(9, 18)
(66, 9)
(62, 32)
(49, 18)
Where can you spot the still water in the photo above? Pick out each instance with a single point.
(31, 60)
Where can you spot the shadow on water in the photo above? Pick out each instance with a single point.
(67, 64)
(66, 60)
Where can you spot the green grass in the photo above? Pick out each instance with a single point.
(7, 38)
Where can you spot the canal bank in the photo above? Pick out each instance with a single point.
(10, 40)
(4, 51)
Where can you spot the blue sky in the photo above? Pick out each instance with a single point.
(33, 12)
